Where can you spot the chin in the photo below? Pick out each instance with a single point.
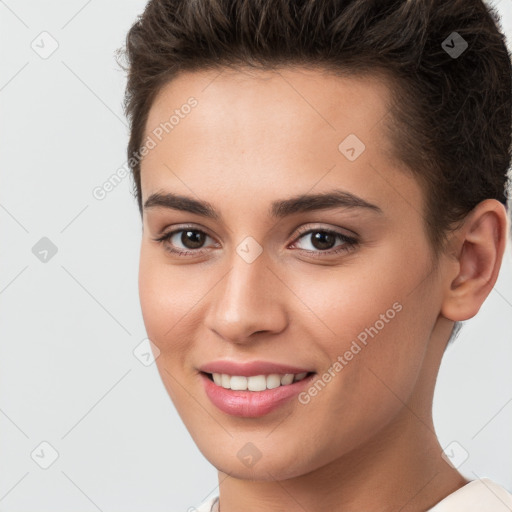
(272, 464)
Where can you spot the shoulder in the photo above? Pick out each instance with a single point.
(475, 496)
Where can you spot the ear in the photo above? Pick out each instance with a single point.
(477, 249)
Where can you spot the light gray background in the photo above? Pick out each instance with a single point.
(68, 375)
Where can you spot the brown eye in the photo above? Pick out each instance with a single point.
(192, 239)
(322, 241)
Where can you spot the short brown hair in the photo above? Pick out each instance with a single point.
(451, 118)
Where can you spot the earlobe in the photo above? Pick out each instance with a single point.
(481, 242)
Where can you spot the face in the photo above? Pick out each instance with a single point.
(339, 286)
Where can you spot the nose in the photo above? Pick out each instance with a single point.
(249, 300)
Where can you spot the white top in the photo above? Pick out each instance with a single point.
(211, 505)
(476, 496)
(481, 495)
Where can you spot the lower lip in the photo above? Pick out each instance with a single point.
(251, 404)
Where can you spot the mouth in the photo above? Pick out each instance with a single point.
(253, 396)
(256, 383)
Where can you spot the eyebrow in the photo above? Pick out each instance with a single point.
(279, 209)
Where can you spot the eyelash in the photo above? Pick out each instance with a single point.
(349, 242)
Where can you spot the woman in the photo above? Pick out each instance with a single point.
(322, 190)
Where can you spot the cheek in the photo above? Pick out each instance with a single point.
(163, 302)
(170, 300)
(164, 305)
(372, 367)
(152, 299)
(379, 323)
(165, 293)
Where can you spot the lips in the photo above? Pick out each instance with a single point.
(251, 404)
(251, 368)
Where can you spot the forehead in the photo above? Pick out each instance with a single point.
(273, 130)
(280, 96)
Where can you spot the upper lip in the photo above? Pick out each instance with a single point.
(250, 368)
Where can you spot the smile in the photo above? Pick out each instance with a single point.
(255, 395)
(255, 382)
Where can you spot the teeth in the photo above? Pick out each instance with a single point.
(300, 376)
(256, 382)
(287, 379)
(238, 383)
(225, 380)
(273, 381)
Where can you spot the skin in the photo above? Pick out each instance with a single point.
(366, 441)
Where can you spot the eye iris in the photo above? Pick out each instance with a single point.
(194, 237)
(321, 237)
